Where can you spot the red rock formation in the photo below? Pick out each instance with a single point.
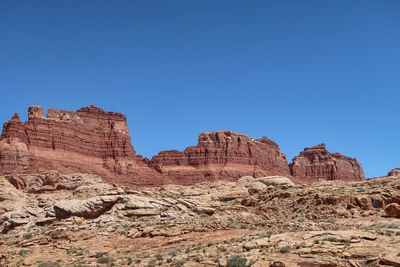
(89, 131)
(14, 154)
(394, 172)
(89, 140)
(318, 163)
(223, 155)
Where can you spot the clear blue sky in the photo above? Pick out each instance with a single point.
(298, 72)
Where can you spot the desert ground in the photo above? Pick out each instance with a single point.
(51, 219)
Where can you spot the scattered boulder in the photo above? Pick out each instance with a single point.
(14, 218)
(256, 186)
(245, 180)
(232, 195)
(88, 208)
(252, 184)
(275, 181)
(10, 197)
(363, 201)
(204, 210)
(134, 205)
(393, 210)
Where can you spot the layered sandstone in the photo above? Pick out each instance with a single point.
(91, 140)
(223, 155)
(87, 140)
(14, 153)
(318, 163)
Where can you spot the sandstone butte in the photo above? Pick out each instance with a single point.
(224, 154)
(316, 163)
(91, 140)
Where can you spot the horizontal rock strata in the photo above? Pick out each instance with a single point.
(318, 163)
(223, 155)
(91, 140)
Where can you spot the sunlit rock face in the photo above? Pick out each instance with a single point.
(317, 163)
(223, 155)
(91, 140)
(88, 140)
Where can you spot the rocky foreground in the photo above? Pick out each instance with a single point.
(53, 219)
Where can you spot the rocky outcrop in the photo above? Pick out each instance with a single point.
(394, 172)
(14, 154)
(223, 155)
(88, 140)
(276, 181)
(239, 218)
(88, 208)
(91, 140)
(52, 181)
(393, 210)
(89, 131)
(318, 163)
(10, 196)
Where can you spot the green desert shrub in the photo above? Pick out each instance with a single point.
(27, 236)
(23, 252)
(58, 234)
(102, 258)
(236, 261)
(179, 263)
(106, 260)
(285, 249)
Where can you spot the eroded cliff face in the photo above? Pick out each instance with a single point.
(89, 140)
(223, 155)
(14, 153)
(90, 131)
(318, 163)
